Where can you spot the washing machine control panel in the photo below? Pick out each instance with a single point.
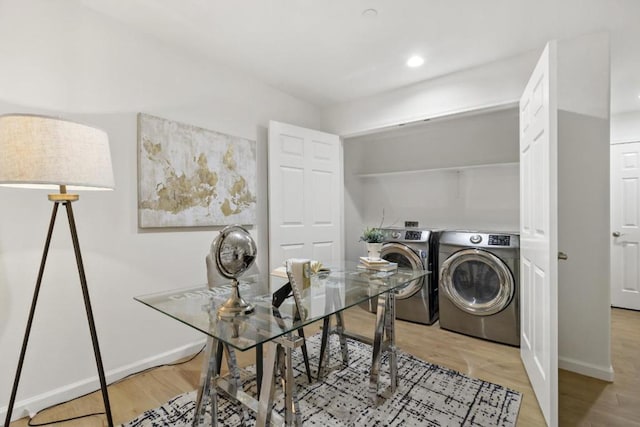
(476, 238)
(406, 235)
(499, 240)
(413, 235)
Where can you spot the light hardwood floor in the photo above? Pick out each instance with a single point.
(583, 401)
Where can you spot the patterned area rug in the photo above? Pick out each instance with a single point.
(427, 395)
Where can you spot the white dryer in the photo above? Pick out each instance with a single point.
(480, 285)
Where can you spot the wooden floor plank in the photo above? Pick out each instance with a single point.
(584, 401)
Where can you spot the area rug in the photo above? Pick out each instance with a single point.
(427, 395)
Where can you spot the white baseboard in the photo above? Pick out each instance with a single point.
(590, 370)
(33, 404)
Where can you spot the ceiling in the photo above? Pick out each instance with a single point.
(328, 52)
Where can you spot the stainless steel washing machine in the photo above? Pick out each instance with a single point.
(416, 249)
(480, 284)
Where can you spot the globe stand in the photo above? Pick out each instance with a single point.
(234, 306)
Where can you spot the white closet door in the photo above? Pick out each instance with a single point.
(306, 189)
(539, 232)
(625, 225)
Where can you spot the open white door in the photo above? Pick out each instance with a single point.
(539, 232)
(306, 188)
(625, 225)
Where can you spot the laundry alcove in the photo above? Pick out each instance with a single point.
(455, 172)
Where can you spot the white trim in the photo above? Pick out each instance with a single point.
(583, 368)
(44, 400)
(624, 141)
(461, 112)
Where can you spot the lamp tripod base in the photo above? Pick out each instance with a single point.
(235, 306)
(66, 200)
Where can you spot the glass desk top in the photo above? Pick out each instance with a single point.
(329, 293)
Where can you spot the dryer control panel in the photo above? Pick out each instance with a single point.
(478, 239)
(499, 240)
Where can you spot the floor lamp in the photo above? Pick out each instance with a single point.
(50, 153)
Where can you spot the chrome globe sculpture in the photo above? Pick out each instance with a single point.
(234, 252)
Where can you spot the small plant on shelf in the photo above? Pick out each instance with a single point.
(372, 235)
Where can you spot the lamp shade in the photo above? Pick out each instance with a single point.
(46, 152)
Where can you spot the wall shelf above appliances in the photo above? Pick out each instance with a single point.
(443, 169)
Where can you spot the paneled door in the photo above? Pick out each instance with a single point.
(539, 232)
(625, 225)
(306, 188)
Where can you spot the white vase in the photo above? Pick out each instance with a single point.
(373, 250)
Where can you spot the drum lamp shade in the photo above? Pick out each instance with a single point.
(46, 152)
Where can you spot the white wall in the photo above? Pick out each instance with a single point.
(399, 171)
(584, 300)
(625, 127)
(584, 323)
(60, 59)
(494, 84)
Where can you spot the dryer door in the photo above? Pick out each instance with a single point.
(477, 282)
(404, 257)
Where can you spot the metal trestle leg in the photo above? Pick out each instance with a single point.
(208, 376)
(384, 337)
(323, 360)
(279, 357)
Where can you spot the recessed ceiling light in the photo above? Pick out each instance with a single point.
(415, 61)
(370, 13)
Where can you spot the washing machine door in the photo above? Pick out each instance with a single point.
(404, 257)
(477, 282)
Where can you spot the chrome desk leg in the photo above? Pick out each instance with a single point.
(391, 338)
(377, 346)
(343, 338)
(267, 390)
(207, 389)
(323, 360)
(236, 383)
(281, 367)
(292, 406)
(279, 355)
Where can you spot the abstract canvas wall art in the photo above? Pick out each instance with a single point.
(190, 176)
